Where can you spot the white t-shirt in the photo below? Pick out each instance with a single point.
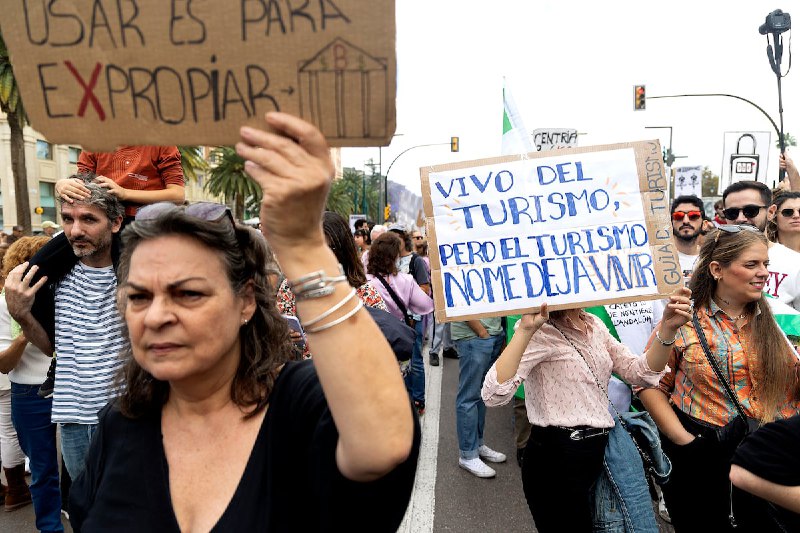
(784, 275)
(33, 365)
(687, 263)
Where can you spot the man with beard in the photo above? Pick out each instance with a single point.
(687, 223)
(747, 202)
(73, 312)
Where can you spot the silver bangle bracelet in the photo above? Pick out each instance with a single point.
(665, 343)
(316, 284)
(330, 311)
(339, 320)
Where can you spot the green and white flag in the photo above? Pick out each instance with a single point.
(787, 317)
(516, 139)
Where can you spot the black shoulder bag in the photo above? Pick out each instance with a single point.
(403, 309)
(733, 433)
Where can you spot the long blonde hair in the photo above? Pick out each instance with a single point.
(776, 382)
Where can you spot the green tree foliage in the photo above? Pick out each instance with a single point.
(228, 179)
(788, 140)
(348, 193)
(710, 183)
(192, 161)
(11, 105)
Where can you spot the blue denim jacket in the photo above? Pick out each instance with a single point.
(622, 498)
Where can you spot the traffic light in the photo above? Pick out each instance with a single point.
(638, 98)
(454, 144)
(386, 212)
(669, 157)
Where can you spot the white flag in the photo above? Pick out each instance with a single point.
(516, 139)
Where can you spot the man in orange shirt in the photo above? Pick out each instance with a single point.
(137, 175)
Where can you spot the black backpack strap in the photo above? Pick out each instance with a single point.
(412, 266)
(731, 394)
(397, 300)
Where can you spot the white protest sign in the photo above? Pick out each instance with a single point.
(689, 181)
(745, 155)
(554, 138)
(353, 219)
(586, 227)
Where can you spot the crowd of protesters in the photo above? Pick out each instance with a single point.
(154, 334)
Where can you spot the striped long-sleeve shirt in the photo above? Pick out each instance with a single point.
(88, 344)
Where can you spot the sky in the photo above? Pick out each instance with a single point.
(573, 64)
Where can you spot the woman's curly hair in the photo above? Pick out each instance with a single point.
(20, 251)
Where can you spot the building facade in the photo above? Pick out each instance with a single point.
(46, 164)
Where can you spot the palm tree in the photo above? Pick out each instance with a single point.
(340, 198)
(227, 178)
(192, 161)
(788, 140)
(11, 105)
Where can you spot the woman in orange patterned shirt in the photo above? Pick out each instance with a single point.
(690, 403)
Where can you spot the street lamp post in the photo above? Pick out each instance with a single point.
(774, 125)
(386, 190)
(670, 158)
(384, 181)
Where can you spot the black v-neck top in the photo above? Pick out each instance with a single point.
(290, 483)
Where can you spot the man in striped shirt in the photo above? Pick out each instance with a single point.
(83, 325)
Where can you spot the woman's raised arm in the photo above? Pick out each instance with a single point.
(356, 366)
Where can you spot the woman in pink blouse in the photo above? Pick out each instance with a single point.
(565, 356)
(383, 256)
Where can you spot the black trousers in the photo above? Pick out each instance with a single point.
(558, 477)
(699, 495)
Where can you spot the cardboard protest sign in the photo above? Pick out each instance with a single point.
(105, 73)
(553, 138)
(571, 228)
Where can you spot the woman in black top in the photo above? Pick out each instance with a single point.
(216, 429)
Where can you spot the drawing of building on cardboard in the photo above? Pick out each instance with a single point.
(344, 90)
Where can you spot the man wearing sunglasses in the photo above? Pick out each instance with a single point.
(687, 223)
(747, 202)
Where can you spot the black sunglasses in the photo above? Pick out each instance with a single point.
(789, 213)
(208, 211)
(750, 211)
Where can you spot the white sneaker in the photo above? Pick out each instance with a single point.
(476, 467)
(490, 455)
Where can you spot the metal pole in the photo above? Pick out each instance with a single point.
(386, 200)
(774, 125)
(662, 128)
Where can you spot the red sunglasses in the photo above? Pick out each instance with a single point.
(693, 215)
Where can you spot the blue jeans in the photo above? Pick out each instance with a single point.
(37, 438)
(475, 357)
(415, 379)
(440, 338)
(75, 441)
